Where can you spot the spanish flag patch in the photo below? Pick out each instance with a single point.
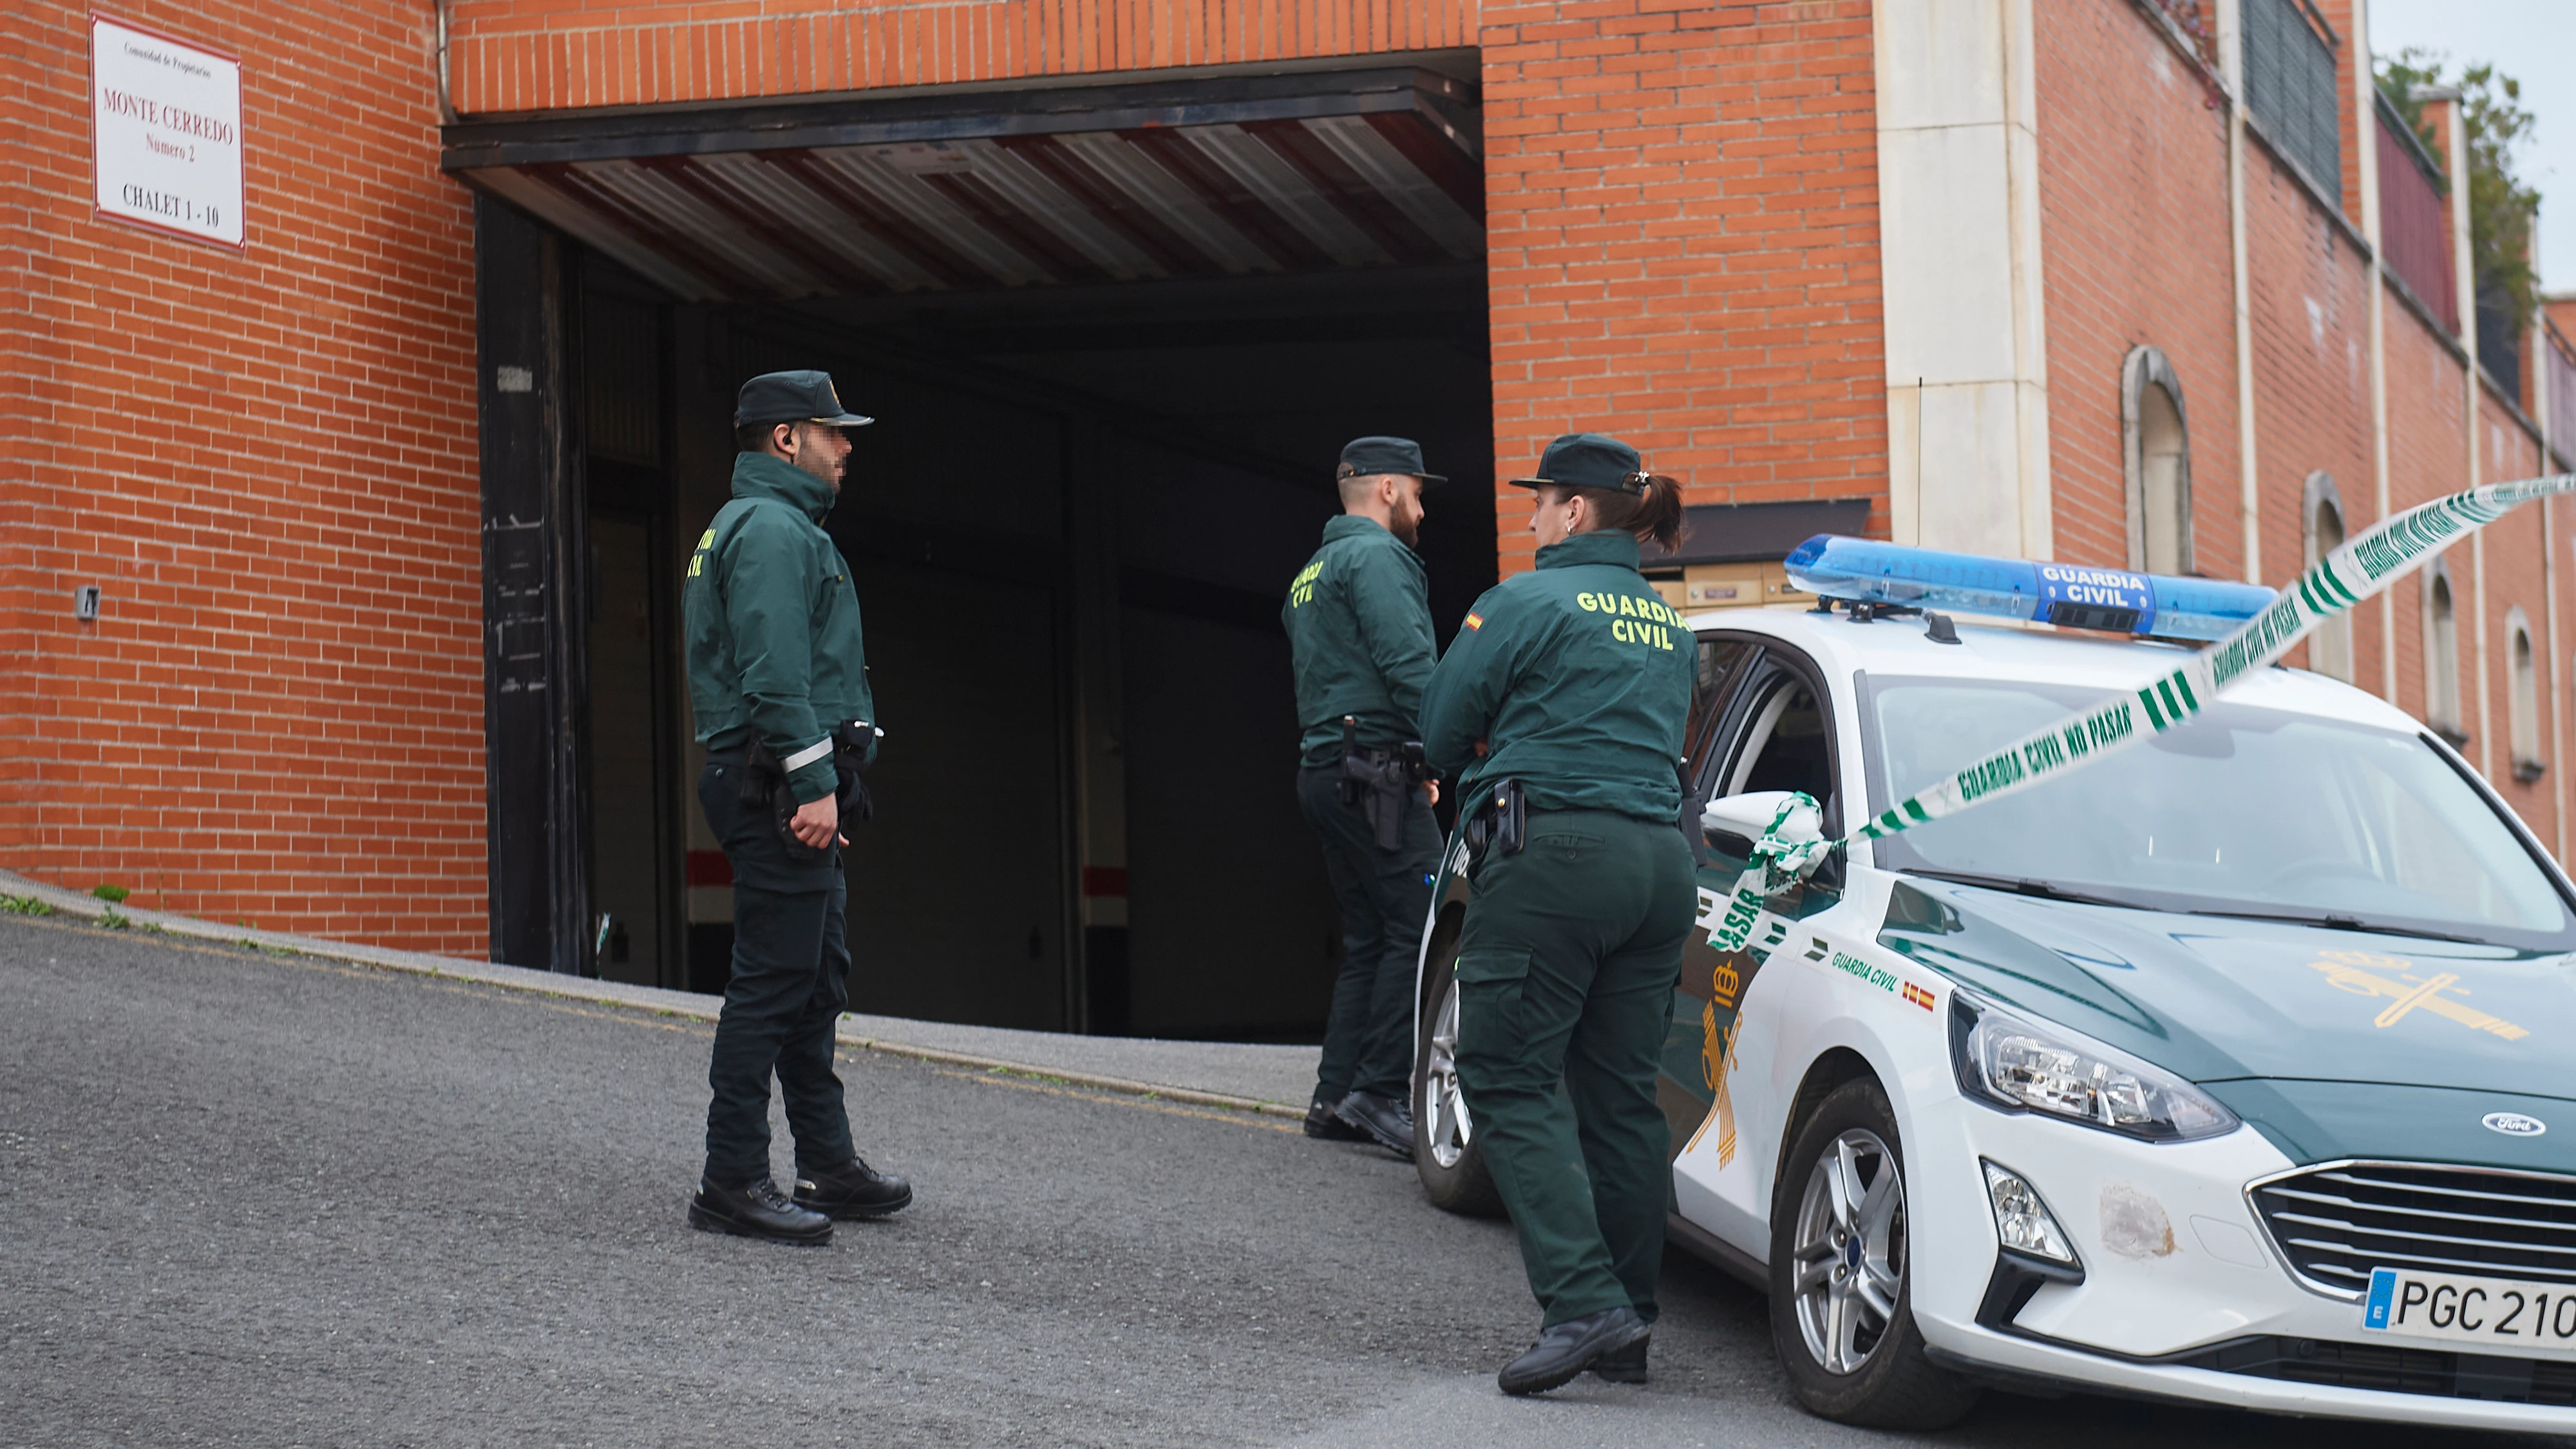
(1475, 621)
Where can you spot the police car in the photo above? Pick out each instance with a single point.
(2237, 1068)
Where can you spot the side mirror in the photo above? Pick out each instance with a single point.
(1734, 823)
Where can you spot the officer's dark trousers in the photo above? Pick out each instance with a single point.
(1565, 978)
(790, 984)
(1383, 895)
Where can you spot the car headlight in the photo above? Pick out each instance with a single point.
(2029, 1066)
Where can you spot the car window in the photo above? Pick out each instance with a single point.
(2242, 810)
(1722, 662)
(1767, 729)
(1784, 749)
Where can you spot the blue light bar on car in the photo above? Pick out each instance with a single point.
(1860, 571)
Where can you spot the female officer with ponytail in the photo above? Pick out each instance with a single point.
(1569, 687)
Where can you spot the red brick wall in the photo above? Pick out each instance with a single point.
(267, 460)
(2133, 194)
(2516, 549)
(2425, 460)
(524, 55)
(2133, 219)
(2353, 120)
(1682, 243)
(2310, 292)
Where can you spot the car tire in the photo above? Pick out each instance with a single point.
(1842, 1316)
(1444, 1144)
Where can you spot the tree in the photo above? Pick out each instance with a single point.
(2500, 206)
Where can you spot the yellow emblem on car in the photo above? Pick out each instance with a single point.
(2407, 992)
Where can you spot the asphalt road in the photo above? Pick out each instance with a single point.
(279, 1201)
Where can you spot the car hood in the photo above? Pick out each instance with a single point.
(2222, 1000)
(2380, 1121)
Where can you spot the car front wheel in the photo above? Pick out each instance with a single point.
(1842, 1316)
(1444, 1132)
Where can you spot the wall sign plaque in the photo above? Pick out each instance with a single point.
(165, 132)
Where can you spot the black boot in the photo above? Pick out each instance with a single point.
(1384, 1119)
(1567, 1349)
(757, 1210)
(852, 1190)
(1622, 1366)
(1326, 1125)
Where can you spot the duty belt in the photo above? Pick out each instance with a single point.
(764, 776)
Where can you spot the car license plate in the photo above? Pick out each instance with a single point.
(2499, 1315)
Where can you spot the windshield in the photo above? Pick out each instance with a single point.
(2244, 810)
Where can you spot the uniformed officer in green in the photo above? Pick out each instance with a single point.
(1570, 685)
(779, 683)
(1359, 631)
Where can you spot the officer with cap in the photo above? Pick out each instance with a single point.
(1359, 631)
(1563, 701)
(778, 680)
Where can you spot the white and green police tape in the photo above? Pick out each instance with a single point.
(2352, 573)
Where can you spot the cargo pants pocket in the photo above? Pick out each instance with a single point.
(1491, 980)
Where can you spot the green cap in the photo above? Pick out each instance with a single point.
(1588, 460)
(794, 397)
(1366, 457)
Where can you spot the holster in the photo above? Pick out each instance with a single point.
(1380, 782)
(1499, 822)
(850, 762)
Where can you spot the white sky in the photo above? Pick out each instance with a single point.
(2533, 41)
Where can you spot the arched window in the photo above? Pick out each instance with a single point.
(2442, 655)
(2155, 444)
(2321, 519)
(2525, 688)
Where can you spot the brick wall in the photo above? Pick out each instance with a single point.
(267, 460)
(2424, 461)
(1681, 231)
(2133, 216)
(2516, 551)
(2427, 458)
(2354, 123)
(524, 55)
(2309, 289)
(2133, 176)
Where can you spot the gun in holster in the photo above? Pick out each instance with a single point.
(1500, 821)
(764, 784)
(1380, 781)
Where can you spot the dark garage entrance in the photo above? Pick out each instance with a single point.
(1111, 362)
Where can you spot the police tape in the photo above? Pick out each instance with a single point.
(2380, 556)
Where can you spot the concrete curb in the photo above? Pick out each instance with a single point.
(67, 902)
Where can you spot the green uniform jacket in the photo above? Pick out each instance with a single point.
(1358, 618)
(1577, 677)
(773, 625)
